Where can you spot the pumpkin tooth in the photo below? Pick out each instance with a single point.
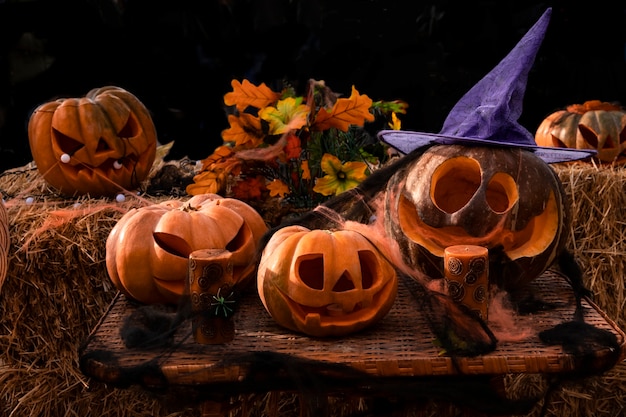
(335, 310)
(313, 320)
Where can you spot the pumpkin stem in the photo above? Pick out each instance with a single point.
(188, 207)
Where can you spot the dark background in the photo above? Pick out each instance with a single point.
(179, 57)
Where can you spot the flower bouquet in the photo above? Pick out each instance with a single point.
(288, 152)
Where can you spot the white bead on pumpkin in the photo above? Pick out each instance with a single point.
(117, 165)
(65, 158)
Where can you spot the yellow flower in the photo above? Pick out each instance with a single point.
(289, 114)
(339, 177)
(278, 187)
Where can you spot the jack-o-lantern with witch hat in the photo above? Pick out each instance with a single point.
(484, 181)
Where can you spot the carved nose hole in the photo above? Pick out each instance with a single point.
(103, 146)
(454, 183)
(344, 283)
(501, 192)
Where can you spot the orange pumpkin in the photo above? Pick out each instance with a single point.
(592, 125)
(325, 283)
(5, 243)
(147, 251)
(507, 200)
(99, 144)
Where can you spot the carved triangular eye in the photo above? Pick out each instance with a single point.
(66, 143)
(243, 236)
(591, 137)
(558, 143)
(130, 129)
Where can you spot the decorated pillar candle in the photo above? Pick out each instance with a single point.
(212, 295)
(466, 269)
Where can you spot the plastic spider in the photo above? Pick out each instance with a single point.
(221, 303)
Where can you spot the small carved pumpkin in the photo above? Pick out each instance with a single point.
(592, 125)
(507, 200)
(325, 283)
(5, 243)
(147, 251)
(99, 144)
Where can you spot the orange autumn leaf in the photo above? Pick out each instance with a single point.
(205, 183)
(244, 130)
(249, 188)
(306, 171)
(293, 149)
(278, 188)
(219, 154)
(346, 111)
(247, 94)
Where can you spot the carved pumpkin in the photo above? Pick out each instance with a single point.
(593, 125)
(507, 200)
(5, 242)
(99, 144)
(325, 283)
(147, 251)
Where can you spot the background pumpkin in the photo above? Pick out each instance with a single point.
(505, 199)
(592, 125)
(5, 243)
(147, 251)
(99, 144)
(325, 283)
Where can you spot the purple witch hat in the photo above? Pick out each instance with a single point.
(487, 115)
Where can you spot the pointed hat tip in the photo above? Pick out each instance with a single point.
(488, 113)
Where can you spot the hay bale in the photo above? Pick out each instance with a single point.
(57, 288)
(598, 233)
(598, 240)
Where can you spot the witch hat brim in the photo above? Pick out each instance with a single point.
(487, 115)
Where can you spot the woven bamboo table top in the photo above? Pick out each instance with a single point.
(401, 345)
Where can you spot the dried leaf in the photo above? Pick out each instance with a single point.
(245, 129)
(247, 94)
(346, 112)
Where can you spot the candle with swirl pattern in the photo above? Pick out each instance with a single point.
(466, 269)
(212, 295)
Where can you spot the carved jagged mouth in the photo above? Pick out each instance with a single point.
(76, 152)
(335, 314)
(536, 237)
(107, 168)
